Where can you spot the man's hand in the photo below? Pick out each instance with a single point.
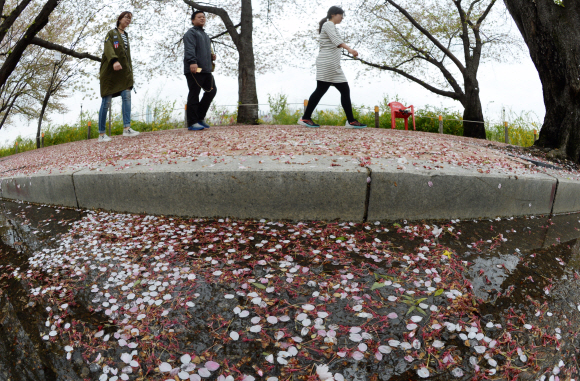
(117, 66)
(213, 57)
(193, 68)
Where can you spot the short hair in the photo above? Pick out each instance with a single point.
(196, 13)
(123, 15)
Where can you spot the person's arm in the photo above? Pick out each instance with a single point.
(348, 49)
(189, 45)
(110, 54)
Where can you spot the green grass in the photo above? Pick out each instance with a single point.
(66, 133)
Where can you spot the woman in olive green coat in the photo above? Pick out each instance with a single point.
(116, 75)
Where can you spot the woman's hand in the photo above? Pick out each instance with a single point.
(353, 52)
(117, 66)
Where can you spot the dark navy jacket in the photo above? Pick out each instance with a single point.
(197, 50)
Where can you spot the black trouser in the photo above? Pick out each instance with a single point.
(321, 89)
(197, 110)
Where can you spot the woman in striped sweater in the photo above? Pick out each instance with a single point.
(328, 70)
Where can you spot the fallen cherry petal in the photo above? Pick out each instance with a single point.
(203, 372)
(358, 356)
(423, 372)
(212, 365)
(165, 367)
(185, 359)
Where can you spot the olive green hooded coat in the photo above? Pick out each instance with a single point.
(113, 82)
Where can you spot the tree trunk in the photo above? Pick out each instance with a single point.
(247, 92)
(42, 111)
(552, 34)
(473, 112)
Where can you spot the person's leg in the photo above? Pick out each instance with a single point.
(205, 103)
(345, 100)
(192, 100)
(126, 108)
(321, 89)
(106, 101)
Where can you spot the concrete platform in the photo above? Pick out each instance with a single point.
(307, 187)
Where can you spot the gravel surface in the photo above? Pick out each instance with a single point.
(283, 142)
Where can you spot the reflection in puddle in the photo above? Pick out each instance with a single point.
(488, 274)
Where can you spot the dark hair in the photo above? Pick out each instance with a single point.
(196, 13)
(122, 15)
(334, 10)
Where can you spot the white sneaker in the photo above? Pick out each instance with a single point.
(104, 138)
(130, 132)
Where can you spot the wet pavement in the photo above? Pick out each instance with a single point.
(103, 296)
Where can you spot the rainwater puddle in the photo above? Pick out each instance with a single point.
(480, 299)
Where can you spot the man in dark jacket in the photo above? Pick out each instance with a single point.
(197, 69)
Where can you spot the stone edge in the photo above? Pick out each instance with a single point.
(562, 194)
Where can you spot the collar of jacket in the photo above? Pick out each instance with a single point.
(117, 29)
(198, 28)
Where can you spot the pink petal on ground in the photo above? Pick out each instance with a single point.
(203, 372)
(392, 315)
(212, 365)
(358, 356)
(165, 367)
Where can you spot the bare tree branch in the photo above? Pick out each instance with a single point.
(224, 33)
(59, 48)
(39, 23)
(449, 94)
(428, 35)
(222, 13)
(485, 13)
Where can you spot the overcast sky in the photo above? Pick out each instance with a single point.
(514, 85)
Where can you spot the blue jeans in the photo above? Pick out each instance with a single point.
(126, 110)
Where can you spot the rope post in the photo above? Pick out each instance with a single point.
(15, 147)
(89, 130)
(507, 138)
(185, 118)
(535, 136)
(42, 141)
(110, 116)
(376, 116)
(440, 124)
(305, 104)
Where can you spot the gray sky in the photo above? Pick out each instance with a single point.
(514, 85)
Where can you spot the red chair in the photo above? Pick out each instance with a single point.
(400, 111)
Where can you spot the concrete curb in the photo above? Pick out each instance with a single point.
(302, 188)
(417, 193)
(42, 188)
(307, 190)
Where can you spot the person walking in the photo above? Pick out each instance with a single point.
(116, 76)
(197, 62)
(328, 70)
